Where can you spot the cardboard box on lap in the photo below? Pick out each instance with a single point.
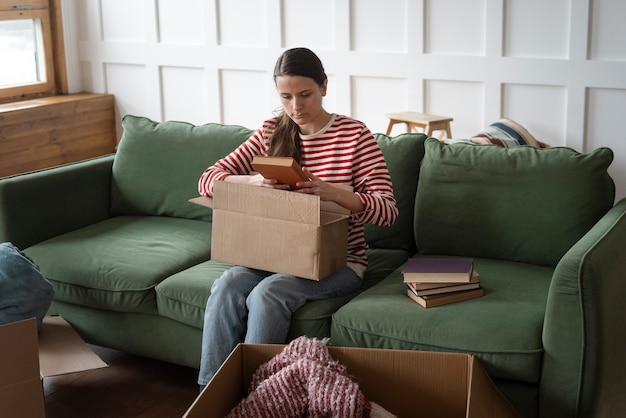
(27, 357)
(405, 383)
(277, 230)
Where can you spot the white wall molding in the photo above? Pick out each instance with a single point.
(546, 65)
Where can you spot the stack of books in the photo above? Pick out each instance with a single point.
(439, 281)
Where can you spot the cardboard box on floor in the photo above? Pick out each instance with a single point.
(405, 383)
(26, 357)
(277, 230)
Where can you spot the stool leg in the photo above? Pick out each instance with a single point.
(448, 130)
(429, 130)
(389, 126)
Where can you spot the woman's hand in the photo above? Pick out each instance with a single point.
(329, 192)
(316, 186)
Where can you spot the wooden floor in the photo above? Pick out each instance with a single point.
(130, 387)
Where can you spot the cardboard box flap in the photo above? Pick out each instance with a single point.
(266, 203)
(61, 350)
(484, 399)
(203, 201)
(325, 207)
(272, 203)
(423, 378)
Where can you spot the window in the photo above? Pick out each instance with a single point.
(27, 49)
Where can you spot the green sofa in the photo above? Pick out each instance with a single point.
(129, 257)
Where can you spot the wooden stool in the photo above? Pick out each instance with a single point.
(428, 123)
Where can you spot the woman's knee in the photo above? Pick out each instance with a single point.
(276, 290)
(237, 280)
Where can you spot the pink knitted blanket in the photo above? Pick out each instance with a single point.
(303, 381)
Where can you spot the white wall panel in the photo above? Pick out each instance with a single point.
(242, 23)
(455, 27)
(84, 20)
(87, 76)
(462, 100)
(537, 28)
(540, 109)
(309, 23)
(184, 94)
(605, 124)
(246, 96)
(130, 86)
(172, 12)
(373, 97)
(377, 26)
(608, 30)
(124, 21)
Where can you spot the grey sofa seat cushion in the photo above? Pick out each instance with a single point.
(115, 264)
(503, 327)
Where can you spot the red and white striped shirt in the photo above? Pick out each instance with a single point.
(343, 152)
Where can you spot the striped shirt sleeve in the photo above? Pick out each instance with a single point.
(239, 162)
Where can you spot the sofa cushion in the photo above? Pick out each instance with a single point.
(403, 155)
(503, 327)
(115, 264)
(470, 200)
(182, 297)
(158, 165)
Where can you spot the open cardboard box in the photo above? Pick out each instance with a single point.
(26, 357)
(405, 383)
(277, 230)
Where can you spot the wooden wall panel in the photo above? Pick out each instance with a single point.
(41, 133)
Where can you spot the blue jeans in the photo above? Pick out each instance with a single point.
(255, 307)
(24, 292)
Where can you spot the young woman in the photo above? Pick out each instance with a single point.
(253, 306)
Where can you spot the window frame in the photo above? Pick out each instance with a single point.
(47, 11)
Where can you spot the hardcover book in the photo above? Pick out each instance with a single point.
(431, 301)
(419, 286)
(438, 270)
(284, 169)
(448, 288)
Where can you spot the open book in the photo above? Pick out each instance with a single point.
(284, 169)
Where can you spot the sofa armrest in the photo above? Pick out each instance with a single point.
(584, 333)
(40, 205)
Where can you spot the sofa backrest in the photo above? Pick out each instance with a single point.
(157, 165)
(521, 204)
(403, 155)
